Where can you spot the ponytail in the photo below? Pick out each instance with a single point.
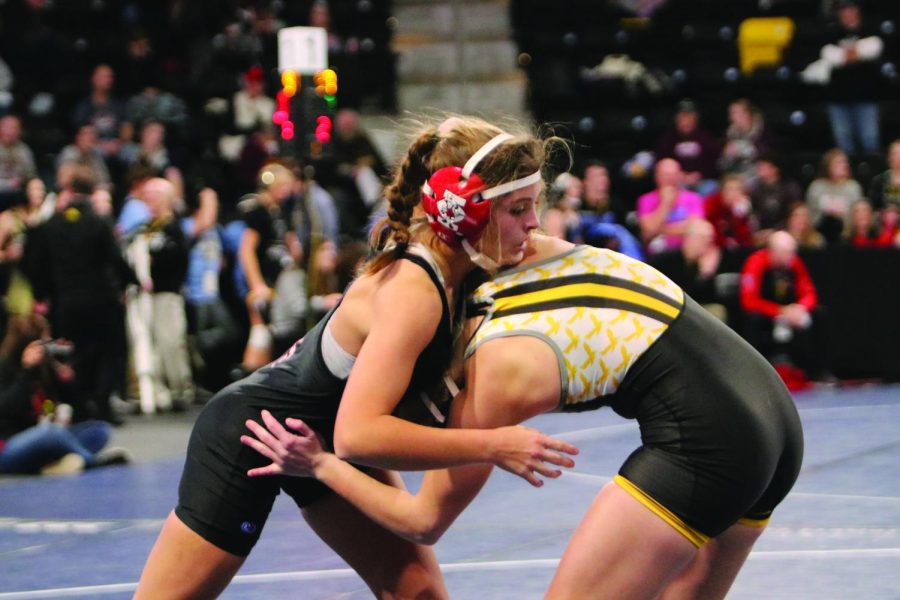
(403, 194)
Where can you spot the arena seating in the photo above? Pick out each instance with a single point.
(689, 49)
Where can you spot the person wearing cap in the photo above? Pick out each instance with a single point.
(250, 112)
(853, 54)
(771, 195)
(464, 196)
(693, 147)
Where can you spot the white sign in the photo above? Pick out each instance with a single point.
(302, 49)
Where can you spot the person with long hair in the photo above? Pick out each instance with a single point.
(867, 229)
(14, 224)
(36, 435)
(574, 328)
(799, 224)
(746, 139)
(831, 195)
(359, 378)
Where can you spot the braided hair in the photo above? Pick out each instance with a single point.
(403, 194)
(450, 144)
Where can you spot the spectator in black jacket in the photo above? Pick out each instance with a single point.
(78, 275)
(853, 54)
(771, 195)
(695, 149)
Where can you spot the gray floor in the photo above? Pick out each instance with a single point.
(837, 536)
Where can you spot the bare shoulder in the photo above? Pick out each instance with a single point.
(401, 297)
(404, 285)
(519, 369)
(544, 246)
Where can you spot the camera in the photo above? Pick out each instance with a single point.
(57, 350)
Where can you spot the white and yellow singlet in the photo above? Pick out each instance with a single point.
(597, 309)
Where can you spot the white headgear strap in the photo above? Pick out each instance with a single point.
(482, 152)
(503, 188)
(477, 257)
(511, 186)
(488, 264)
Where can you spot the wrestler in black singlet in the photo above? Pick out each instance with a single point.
(216, 498)
(721, 439)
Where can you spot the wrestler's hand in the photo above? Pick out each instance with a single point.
(526, 452)
(294, 454)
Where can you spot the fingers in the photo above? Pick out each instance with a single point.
(560, 446)
(262, 434)
(299, 426)
(557, 459)
(278, 430)
(530, 472)
(528, 475)
(546, 471)
(272, 469)
(274, 426)
(545, 460)
(260, 447)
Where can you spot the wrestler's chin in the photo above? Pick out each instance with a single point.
(515, 255)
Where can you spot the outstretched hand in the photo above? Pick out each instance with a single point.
(291, 453)
(527, 452)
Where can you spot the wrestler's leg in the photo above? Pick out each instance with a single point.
(258, 351)
(620, 549)
(184, 565)
(716, 566)
(391, 566)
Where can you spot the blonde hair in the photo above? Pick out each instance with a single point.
(828, 158)
(451, 143)
(273, 172)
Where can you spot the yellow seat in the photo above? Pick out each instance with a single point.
(762, 40)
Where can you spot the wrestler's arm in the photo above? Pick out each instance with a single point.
(406, 312)
(250, 263)
(423, 517)
(502, 388)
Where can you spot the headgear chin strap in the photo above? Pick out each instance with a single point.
(457, 201)
(482, 260)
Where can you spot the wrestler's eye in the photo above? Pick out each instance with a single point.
(519, 208)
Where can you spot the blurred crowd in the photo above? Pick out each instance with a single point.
(717, 196)
(158, 239)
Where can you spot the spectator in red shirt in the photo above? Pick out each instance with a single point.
(730, 212)
(890, 225)
(865, 229)
(781, 307)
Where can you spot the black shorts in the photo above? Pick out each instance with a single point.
(216, 498)
(722, 440)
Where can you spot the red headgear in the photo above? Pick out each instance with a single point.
(456, 201)
(454, 205)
